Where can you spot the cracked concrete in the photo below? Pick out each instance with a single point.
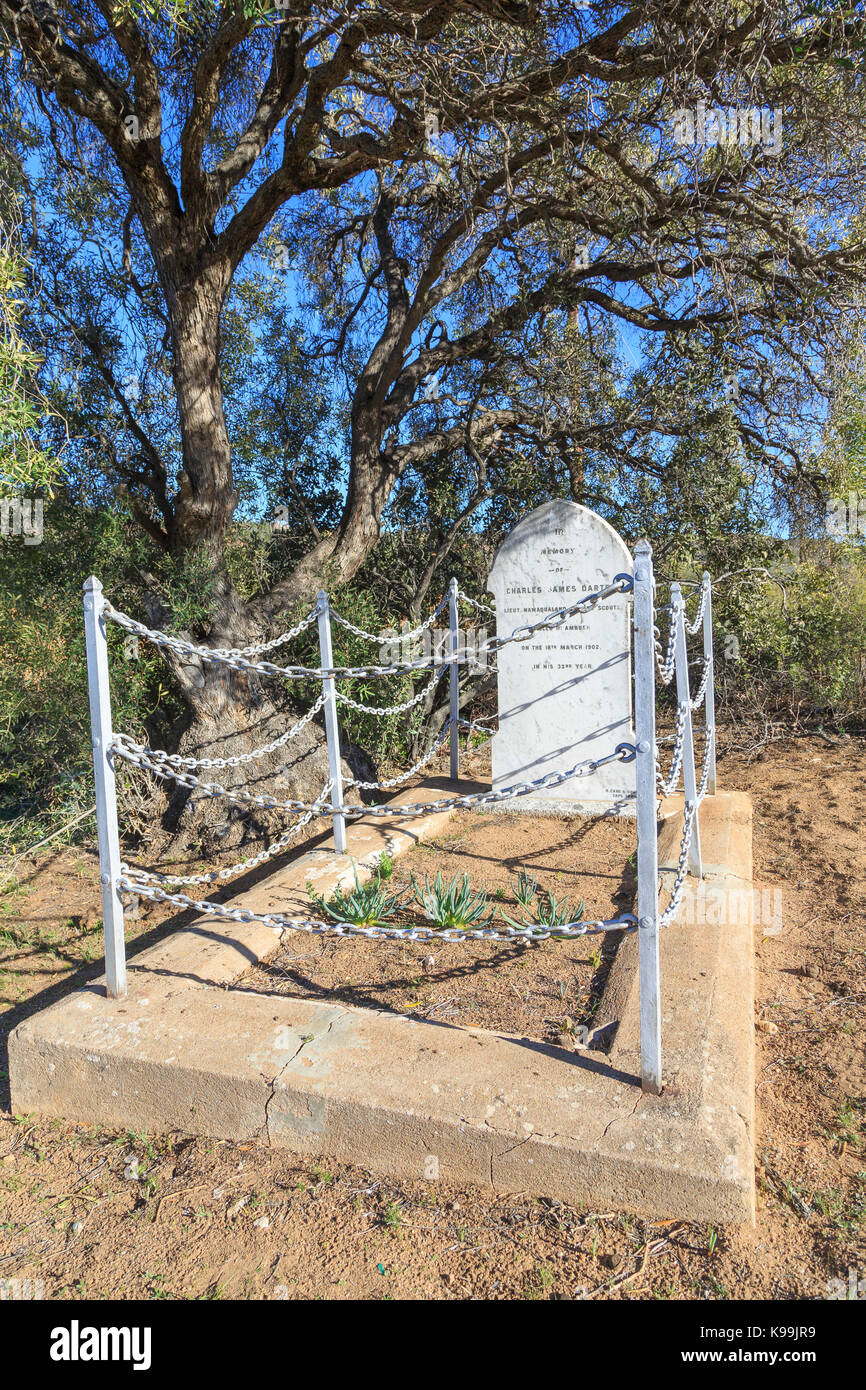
(421, 1099)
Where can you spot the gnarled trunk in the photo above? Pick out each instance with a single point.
(231, 714)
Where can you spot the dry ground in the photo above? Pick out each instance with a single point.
(94, 1214)
(542, 992)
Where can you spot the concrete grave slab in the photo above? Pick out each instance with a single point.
(418, 1099)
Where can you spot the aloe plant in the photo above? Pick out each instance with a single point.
(369, 905)
(549, 913)
(526, 888)
(454, 905)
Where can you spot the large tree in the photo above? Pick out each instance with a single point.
(475, 196)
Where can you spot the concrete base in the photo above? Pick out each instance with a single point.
(558, 806)
(421, 1099)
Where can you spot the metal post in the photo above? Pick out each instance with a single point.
(710, 701)
(647, 843)
(684, 697)
(332, 729)
(454, 679)
(106, 790)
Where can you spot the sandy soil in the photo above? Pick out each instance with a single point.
(543, 991)
(92, 1214)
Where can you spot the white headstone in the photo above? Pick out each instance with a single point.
(564, 694)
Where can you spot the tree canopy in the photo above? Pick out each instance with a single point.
(372, 262)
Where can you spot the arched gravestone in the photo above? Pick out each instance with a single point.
(565, 694)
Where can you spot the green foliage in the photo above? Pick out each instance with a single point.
(525, 888)
(388, 738)
(452, 905)
(368, 905)
(45, 758)
(23, 461)
(793, 649)
(549, 912)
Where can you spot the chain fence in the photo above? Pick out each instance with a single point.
(665, 658)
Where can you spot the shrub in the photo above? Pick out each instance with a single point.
(368, 905)
(452, 905)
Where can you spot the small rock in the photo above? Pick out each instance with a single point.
(75, 1229)
(218, 1192)
(263, 1223)
(428, 962)
(765, 1026)
(813, 972)
(131, 1171)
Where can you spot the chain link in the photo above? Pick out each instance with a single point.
(626, 922)
(175, 759)
(690, 811)
(709, 745)
(666, 660)
(476, 603)
(702, 688)
(235, 660)
(404, 776)
(471, 725)
(562, 615)
(401, 636)
(390, 709)
(667, 786)
(230, 871)
(624, 751)
(693, 626)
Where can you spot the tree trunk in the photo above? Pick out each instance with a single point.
(232, 712)
(207, 499)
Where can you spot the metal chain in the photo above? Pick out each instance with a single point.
(705, 769)
(702, 688)
(627, 922)
(624, 752)
(693, 626)
(175, 759)
(153, 875)
(470, 725)
(389, 709)
(238, 662)
(690, 811)
(404, 776)
(666, 661)
(476, 603)
(562, 615)
(219, 653)
(667, 786)
(380, 637)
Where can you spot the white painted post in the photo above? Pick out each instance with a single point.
(454, 679)
(332, 728)
(710, 702)
(106, 791)
(684, 697)
(647, 843)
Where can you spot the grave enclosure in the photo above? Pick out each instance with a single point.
(173, 1045)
